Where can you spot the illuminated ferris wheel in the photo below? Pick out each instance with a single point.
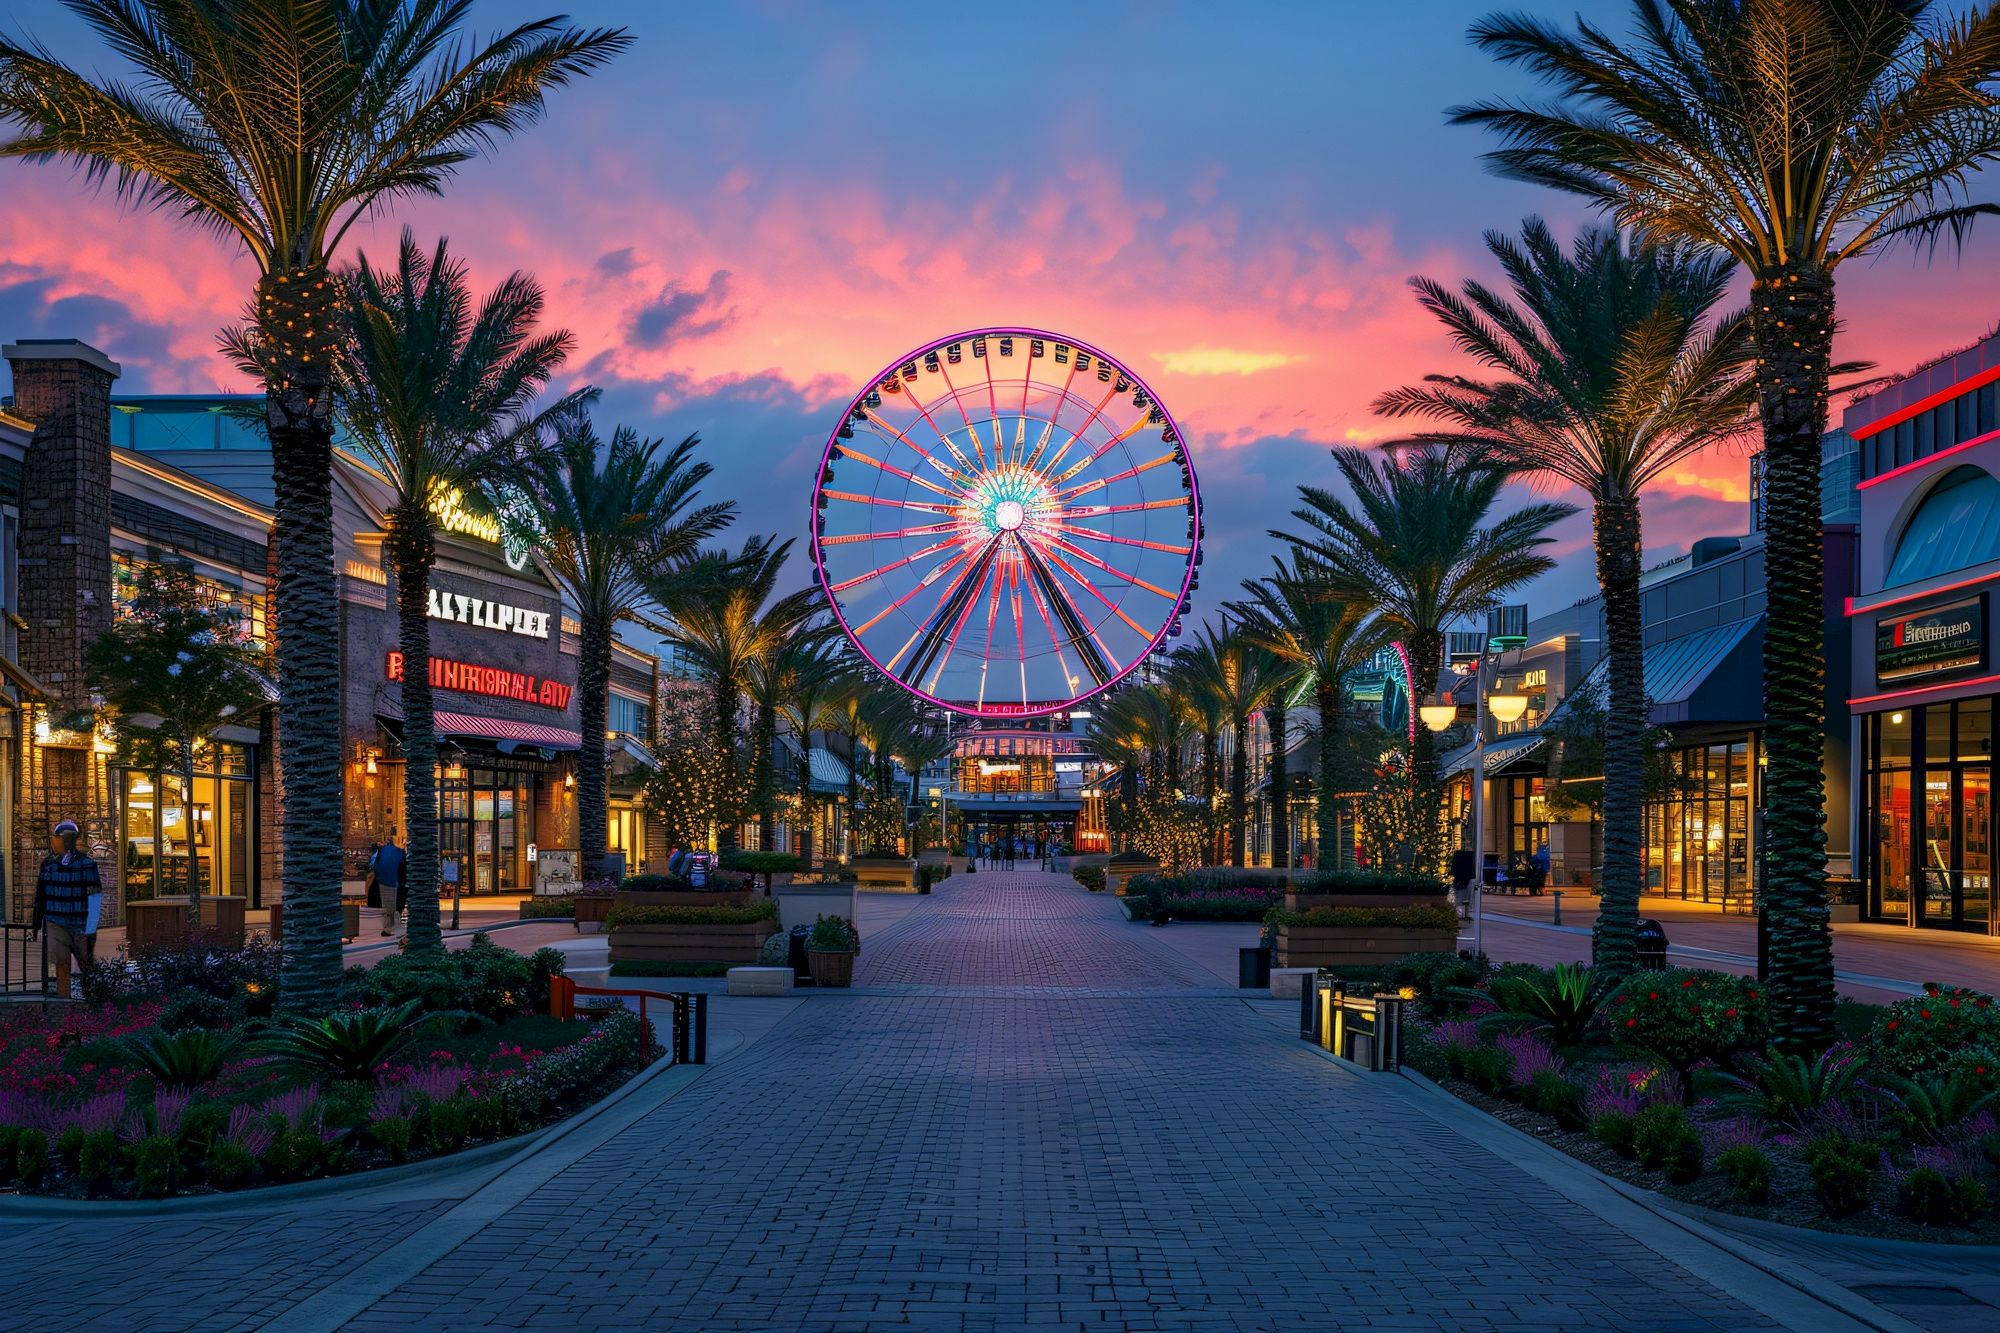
(1006, 522)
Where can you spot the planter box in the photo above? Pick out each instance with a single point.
(885, 872)
(730, 943)
(1305, 902)
(803, 904)
(738, 898)
(162, 920)
(831, 967)
(1119, 869)
(350, 919)
(1357, 946)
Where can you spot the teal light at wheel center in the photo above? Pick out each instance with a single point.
(1008, 501)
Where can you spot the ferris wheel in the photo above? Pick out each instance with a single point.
(1006, 522)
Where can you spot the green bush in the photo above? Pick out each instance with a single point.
(1749, 1172)
(1564, 1000)
(655, 884)
(156, 1161)
(761, 863)
(185, 1059)
(203, 963)
(1685, 1016)
(1090, 876)
(228, 1164)
(1364, 881)
(392, 1135)
(1925, 1034)
(1930, 1108)
(349, 1045)
(1422, 916)
(1486, 1068)
(1843, 1173)
(31, 1157)
(1930, 1199)
(548, 906)
(834, 934)
(1664, 1140)
(1793, 1090)
(1439, 979)
(490, 981)
(196, 1009)
(447, 1124)
(1556, 1097)
(762, 909)
(1615, 1130)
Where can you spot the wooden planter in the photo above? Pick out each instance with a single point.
(350, 919)
(1118, 870)
(885, 872)
(677, 943)
(1357, 946)
(681, 899)
(1305, 902)
(831, 967)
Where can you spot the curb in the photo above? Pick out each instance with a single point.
(279, 1198)
(1859, 1248)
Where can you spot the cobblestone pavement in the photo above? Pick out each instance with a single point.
(965, 1144)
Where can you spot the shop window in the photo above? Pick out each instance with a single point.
(1957, 526)
(629, 716)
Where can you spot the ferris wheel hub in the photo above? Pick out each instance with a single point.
(1008, 515)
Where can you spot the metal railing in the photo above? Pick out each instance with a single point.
(24, 961)
(1367, 1029)
(690, 1021)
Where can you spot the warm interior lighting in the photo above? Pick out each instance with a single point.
(1440, 713)
(1895, 719)
(369, 766)
(569, 782)
(1507, 707)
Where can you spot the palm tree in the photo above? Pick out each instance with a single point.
(1239, 675)
(604, 521)
(813, 673)
(429, 384)
(1412, 542)
(728, 626)
(280, 123)
(1609, 373)
(1194, 685)
(1295, 615)
(1794, 135)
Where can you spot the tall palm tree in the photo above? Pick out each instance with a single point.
(1416, 542)
(430, 384)
(1795, 135)
(1239, 675)
(1294, 614)
(728, 625)
(1609, 372)
(279, 124)
(814, 674)
(1194, 685)
(604, 520)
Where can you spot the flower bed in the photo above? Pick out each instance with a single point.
(143, 1095)
(1090, 876)
(1667, 1079)
(587, 902)
(1244, 903)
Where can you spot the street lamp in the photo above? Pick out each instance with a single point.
(1438, 716)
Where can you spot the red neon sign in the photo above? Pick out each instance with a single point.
(494, 682)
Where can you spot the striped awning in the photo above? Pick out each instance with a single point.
(506, 729)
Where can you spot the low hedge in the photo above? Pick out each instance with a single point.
(656, 884)
(1278, 882)
(1424, 916)
(1091, 877)
(760, 863)
(762, 909)
(493, 982)
(1244, 904)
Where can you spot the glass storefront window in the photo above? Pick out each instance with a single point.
(164, 831)
(1930, 815)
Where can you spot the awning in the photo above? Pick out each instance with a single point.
(630, 748)
(1713, 675)
(506, 729)
(1500, 754)
(828, 773)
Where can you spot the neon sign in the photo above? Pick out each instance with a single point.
(450, 513)
(494, 682)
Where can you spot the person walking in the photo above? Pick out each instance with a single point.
(387, 866)
(1464, 869)
(64, 887)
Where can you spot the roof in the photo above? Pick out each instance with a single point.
(1711, 675)
(828, 772)
(1500, 754)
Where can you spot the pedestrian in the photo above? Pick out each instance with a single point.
(1539, 872)
(1012, 843)
(387, 867)
(65, 889)
(1464, 868)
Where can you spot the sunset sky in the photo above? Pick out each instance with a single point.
(764, 203)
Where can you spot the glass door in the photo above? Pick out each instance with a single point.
(1975, 881)
(1939, 850)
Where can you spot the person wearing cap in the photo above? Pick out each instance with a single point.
(63, 890)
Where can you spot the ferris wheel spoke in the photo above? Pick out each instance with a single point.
(1089, 646)
(848, 451)
(1076, 469)
(1091, 588)
(1099, 483)
(880, 424)
(1093, 511)
(921, 506)
(921, 530)
(1084, 429)
(907, 597)
(951, 611)
(1062, 659)
(971, 604)
(1094, 535)
(1095, 563)
(859, 579)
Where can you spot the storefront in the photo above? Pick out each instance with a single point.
(162, 833)
(1700, 824)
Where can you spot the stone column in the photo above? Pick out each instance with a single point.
(64, 387)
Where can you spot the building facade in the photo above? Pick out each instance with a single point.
(1923, 685)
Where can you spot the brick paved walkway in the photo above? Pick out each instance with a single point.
(963, 1144)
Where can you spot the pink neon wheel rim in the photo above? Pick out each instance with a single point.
(1006, 522)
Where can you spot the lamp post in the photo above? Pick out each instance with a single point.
(1440, 715)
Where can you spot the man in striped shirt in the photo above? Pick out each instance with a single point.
(62, 903)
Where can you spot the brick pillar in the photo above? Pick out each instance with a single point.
(64, 387)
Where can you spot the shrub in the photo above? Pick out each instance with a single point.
(1555, 1096)
(834, 934)
(553, 1080)
(655, 884)
(97, 1157)
(544, 906)
(227, 1164)
(1749, 1172)
(1932, 1107)
(186, 1059)
(1926, 1033)
(1562, 1001)
(31, 1157)
(156, 1162)
(1615, 1130)
(763, 909)
(1238, 904)
(1687, 1016)
(1439, 980)
(202, 963)
(1453, 1038)
(1090, 876)
(490, 981)
(1486, 1067)
(1664, 1140)
(760, 863)
(1422, 916)
(447, 1124)
(1843, 1173)
(1364, 881)
(1796, 1090)
(300, 1148)
(347, 1045)
(1931, 1199)
(195, 1009)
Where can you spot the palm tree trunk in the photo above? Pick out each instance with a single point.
(1211, 784)
(1239, 786)
(1426, 650)
(1792, 313)
(727, 695)
(1326, 698)
(805, 800)
(593, 688)
(306, 616)
(1618, 547)
(764, 776)
(412, 550)
(1276, 722)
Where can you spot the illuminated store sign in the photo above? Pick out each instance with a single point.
(448, 509)
(495, 682)
(462, 610)
(1941, 640)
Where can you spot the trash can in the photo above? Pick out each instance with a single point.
(1651, 939)
(795, 954)
(1253, 968)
